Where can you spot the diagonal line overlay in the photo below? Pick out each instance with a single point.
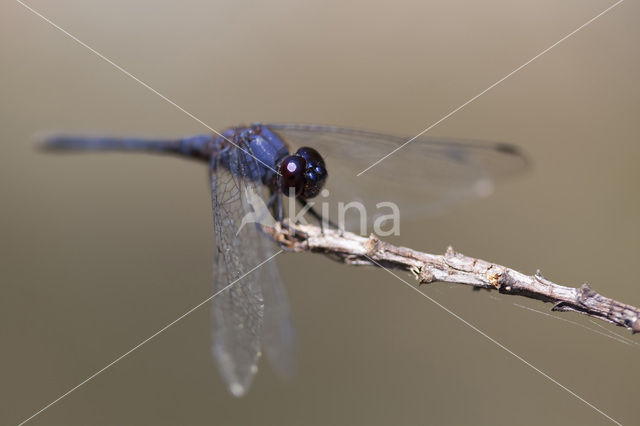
(128, 74)
(491, 87)
(500, 345)
(163, 329)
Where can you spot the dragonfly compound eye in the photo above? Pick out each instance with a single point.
(292, 175)
(311, 156)
(315, 173)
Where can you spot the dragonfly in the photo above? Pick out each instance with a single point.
(424, 177)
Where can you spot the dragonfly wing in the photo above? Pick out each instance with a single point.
(426, 176)
(278, 334)
(238, 312)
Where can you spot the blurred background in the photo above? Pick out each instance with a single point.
(98, 252)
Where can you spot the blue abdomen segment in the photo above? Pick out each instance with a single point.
(198, 146)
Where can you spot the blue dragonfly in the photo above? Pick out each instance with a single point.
(425, 177)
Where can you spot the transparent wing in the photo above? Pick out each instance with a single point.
(278, 333)
(239, 313)
(426, 176)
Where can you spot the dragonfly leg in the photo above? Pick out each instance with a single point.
(324, 223)
(275, 204)
(280, 214)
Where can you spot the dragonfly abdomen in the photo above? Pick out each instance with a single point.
(198, 146)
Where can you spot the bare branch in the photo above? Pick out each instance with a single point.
(453, 267)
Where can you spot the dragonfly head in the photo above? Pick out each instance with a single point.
(304, 173)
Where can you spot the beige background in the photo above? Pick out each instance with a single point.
(99, 252)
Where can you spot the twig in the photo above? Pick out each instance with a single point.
(452, 267)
